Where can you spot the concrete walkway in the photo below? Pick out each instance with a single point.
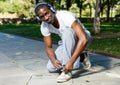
(23, 62)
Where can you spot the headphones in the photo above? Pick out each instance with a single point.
(40, 4)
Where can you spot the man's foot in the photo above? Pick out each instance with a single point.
(85, 60)
(64, 77)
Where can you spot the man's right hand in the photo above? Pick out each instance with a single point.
(57, 64)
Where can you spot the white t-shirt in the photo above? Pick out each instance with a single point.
(65, 20)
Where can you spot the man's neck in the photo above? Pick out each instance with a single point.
(56, 23)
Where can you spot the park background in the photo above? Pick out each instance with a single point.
(17, 17)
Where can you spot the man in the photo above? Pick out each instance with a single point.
(74, 39)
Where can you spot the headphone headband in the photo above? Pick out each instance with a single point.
(43, 3)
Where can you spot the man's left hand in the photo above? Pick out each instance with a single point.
(68, 67)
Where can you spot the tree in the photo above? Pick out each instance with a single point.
(90, 4)
(107, 5)
(80, 5)
(68, 4)
(108, 10)
(97, 18)
(36, 1)
(52, 2)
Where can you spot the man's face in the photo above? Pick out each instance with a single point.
(45, 14)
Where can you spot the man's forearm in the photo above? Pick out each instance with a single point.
(50, 53)
(79, 48)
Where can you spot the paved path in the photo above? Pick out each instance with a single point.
(23, 62)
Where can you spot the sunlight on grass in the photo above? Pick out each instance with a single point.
(106, 45)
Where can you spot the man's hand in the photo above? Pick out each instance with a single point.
(57, 64)
(68, 67)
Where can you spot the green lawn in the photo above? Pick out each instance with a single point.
(108, 41)
(106, 45)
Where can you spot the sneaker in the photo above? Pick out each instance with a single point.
(64, 77)
(86, 62)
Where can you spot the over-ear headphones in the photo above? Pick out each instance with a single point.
(43, 3)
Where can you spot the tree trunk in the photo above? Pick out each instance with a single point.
(68, 4)
(90, 11)
(108, 10)
(79, 4)
(97, 18)
(80, 10)
(37, 1)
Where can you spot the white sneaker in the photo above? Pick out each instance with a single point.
(64, 77)
(86, 62)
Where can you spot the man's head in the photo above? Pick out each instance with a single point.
(44, 12)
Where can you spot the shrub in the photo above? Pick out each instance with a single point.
(22, 8)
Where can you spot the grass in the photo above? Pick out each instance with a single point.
(107, 42)
(108, 46)
(25, 30)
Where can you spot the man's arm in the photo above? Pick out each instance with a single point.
(81, 44)
(50, 51)
(82, 39)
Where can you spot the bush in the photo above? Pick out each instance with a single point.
(22, 8)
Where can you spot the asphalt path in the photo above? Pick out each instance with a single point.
(23, 62)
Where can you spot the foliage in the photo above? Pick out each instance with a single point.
(23, 9)
(118, 10)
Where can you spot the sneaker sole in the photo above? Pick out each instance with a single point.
(61, 81)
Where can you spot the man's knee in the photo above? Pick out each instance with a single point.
(50, 67)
